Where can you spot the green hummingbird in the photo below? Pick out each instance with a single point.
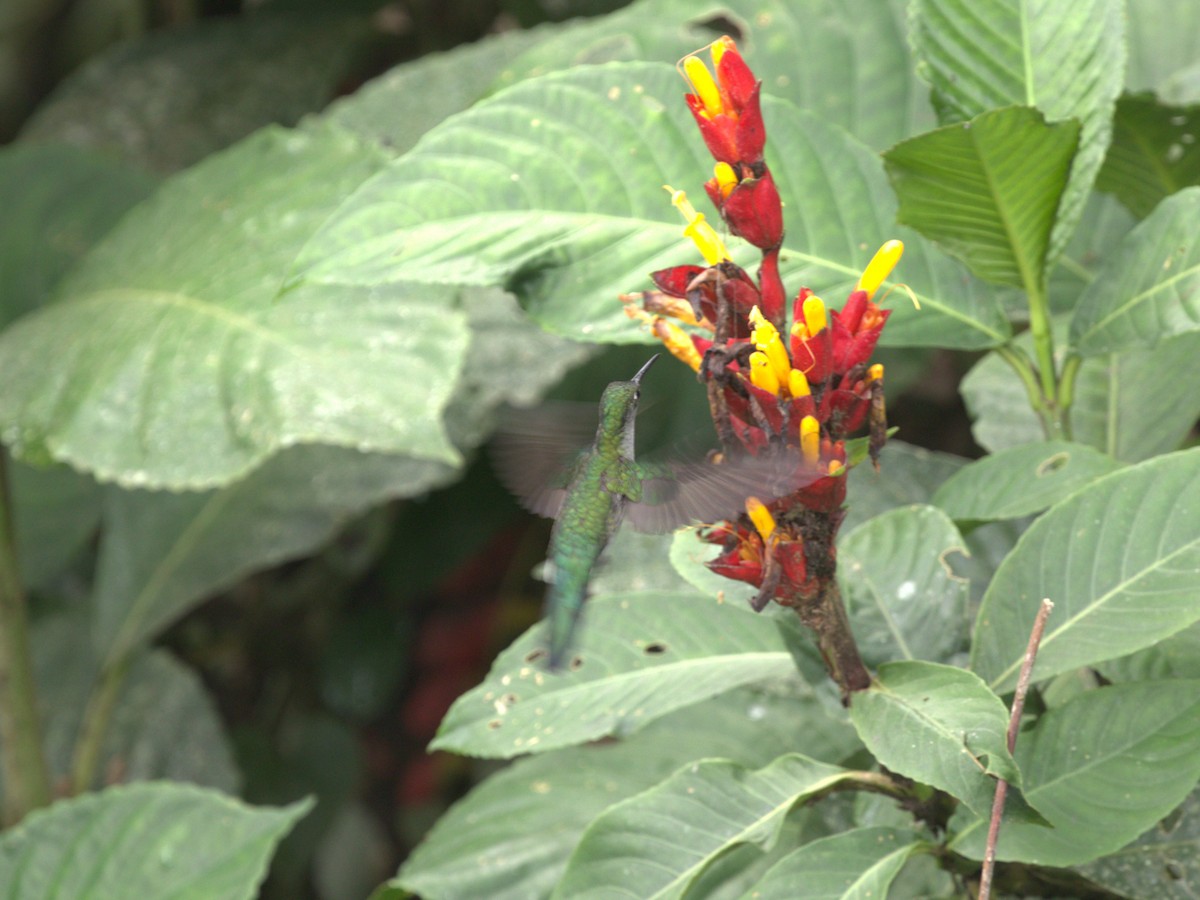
(588, 492)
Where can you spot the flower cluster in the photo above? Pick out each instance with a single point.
(785, 391)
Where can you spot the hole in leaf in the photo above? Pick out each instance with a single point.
(724, 25)
(655, 649)
(1052, 464)
(534, 655)
(494, 724)
(576, 664)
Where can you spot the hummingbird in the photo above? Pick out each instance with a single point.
(589, 492)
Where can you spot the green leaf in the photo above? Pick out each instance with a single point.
(1067, 59)
(162, 725)
(938, 725)
(642, 656)
(172, 98)
(1102, 768)
(1122, 405)
(640, 847)
(60, 201)
(1164, 862)
(511, 836)
(856, 865)
(1150, 288)
(55, 513)
(183, 367)
(1175, 657)
(1164, 44)
(1153, 152)
(903, 599)
(1021, 481)
(553, 190)
(1116, 589)
(162, 553)
(143, 840)
(907, 475)
(987, 190)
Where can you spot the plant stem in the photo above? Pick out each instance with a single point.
(26, 775)
(827, 617)
(1043, 351)
(96, 718)
(1041, 404)
(1014, 725)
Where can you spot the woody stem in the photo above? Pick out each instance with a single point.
(827, 617)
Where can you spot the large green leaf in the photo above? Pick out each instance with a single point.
(1102, 769)
(1163, 863)
(1067, 59)
(856, 865)
(162, 552)
(642, 656)
(170, 99)
(157, 839)
(939, 725)
(553, 190)
(1021, 481)
(987, 190)
(1150, 288)
(1164, 45)
(162, 725)
(61, 200)
(1115, 588)
(904, 600)
(907, 474)
(1122, 405)
(178, 363)
(512, 835)
(1175, 657)
(854, 72)
(55, 513)
(1153, 152)
(640, 847)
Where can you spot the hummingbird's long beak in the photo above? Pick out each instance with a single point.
(636, 379)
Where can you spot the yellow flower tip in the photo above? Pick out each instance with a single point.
(798, 384)
(706, 239)
(875, 373)
(800, 331)
(764, 522)
(755, 316)
(880, 267)
(726, 178)
(835, 467)
(680, 201)
(677, 342)
(810, 439)
(720, 46)
(762, 375)
(639, 314)
(701, 80)
(815, 317)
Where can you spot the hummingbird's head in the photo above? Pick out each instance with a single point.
(618, 407)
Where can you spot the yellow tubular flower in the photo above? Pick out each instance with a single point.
(763, 521)
(875, 373)
(835, 467)
(814, 315)
(702, 83)
(797, 384)
(719, 46)
(810, 439)
(707, 241)
(726, 178)
(677, 342)
(880, 267)
(761, 373)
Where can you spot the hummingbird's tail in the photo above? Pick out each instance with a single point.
(564, 606)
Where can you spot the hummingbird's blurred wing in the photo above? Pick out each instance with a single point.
(678, 492)
(534, 451)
